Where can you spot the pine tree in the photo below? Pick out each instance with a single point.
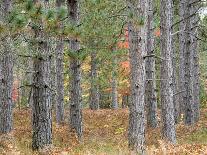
(59, 74)
(150, 90)
(75, 71)
(41, 109)
(168, 121)
(6, 73)
(137, 41)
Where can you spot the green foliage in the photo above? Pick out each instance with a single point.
(29, 5)
(61, 13)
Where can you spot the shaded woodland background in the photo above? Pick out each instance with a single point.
(103, 77)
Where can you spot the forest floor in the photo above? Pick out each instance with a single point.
(105, 133)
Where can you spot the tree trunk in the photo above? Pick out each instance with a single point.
(137, 41)
(94, 94)
(168, 126)
(59, 76)
(75, 71)
(59, 82)
(181, 56)
(6, 84)
(150, 88)
(6, 75)
(41, 109)
(188, 98)
(176, 103)
(125, 101)
(194, 47)
(114, 83)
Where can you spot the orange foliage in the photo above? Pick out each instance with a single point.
(157, 32)
(124, 44)
(125, 64)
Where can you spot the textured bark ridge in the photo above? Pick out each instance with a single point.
(41, 109)
(59, 83)
(6, 83)
(94, 92)
(177, 107)
(181, 56)
(150, 87)
(137, 43)
(59, 76)
(194, 47)
(75, 71)
(168, 126)
(6, 74)
(188, 98)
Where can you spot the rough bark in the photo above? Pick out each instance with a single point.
(41, 109)
(194, 47)
(6, 74)
(150, 87)
(59, 76)
(6, 83)
(181, 56)
(137, 41)
(75, 74)
(176, 102)
(114, 83)
(59, 82)
(168, 121)
(188, 98)
(94, 92)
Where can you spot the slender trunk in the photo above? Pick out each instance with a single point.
(94, 94)
(59, 76)
(150, 88)
(41, 109)
(30, 97)
(60, 83)
(6, 75)
(75, 71)
(114, 83)
(176, 103)
(168, 126)
(181, 56)
(188, 98)
(194, 48)
(125, 100)
(137, 41)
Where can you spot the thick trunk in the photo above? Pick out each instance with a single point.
(188, 98)
(94, 94)
(168, 126)
(6, 83)
(6, 75)
(59, 76)
(114, 84)
(194, 48)
(75, 78)
(137, 41)
(150, 88)
(41, 109)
